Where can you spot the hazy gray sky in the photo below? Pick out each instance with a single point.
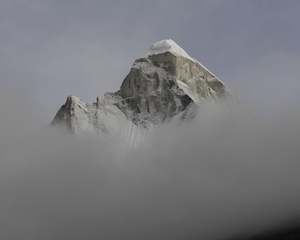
(53, 48)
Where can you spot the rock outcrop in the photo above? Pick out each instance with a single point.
(167, 82)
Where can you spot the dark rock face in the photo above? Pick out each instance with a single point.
(151, 93)
(161, 86)
(164, 84)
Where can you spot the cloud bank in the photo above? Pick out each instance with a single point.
(233, 170)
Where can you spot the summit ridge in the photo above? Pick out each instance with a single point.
(168, 45)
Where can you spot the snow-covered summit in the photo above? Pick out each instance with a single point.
(168, 45)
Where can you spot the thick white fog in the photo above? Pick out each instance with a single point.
(233, 170)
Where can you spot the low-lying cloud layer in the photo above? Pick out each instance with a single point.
(234, 170)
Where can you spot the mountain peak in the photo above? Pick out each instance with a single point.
(168, 45)
(166, 84)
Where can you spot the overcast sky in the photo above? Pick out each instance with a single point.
(53, 48)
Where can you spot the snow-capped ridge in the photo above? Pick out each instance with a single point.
(168, 45)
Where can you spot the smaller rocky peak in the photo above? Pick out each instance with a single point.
(73, 101)
(100, 116)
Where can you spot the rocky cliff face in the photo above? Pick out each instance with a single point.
(164, 84)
